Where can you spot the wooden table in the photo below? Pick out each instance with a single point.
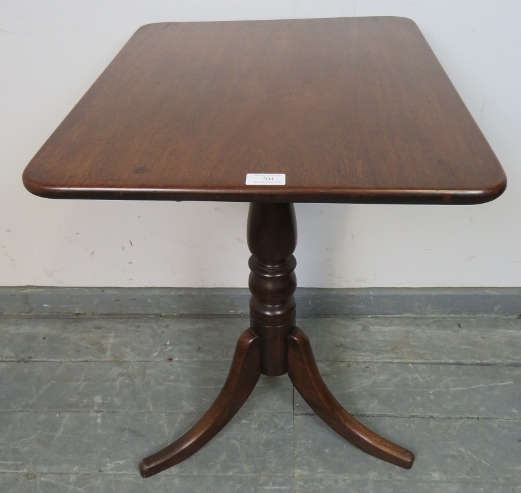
(323, 110)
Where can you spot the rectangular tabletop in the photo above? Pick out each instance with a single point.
(348, 109)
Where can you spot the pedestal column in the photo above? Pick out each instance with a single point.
(272, 238)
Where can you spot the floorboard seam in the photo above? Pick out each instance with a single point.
(428, 362)
(293, 448)
(352, 361)
(507, 482)
(245, 315)
(108, 411)
(420, 416)
(136, 474)
(295, 415)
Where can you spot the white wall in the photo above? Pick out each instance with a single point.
(50, 53)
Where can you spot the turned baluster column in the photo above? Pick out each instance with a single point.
(272, 237)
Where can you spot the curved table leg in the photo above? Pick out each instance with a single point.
(243, 376)
(306, 378)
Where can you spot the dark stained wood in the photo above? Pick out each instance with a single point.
(243, 376)
(273, 345)
(351, 110)
(272, 238)
(306, 378)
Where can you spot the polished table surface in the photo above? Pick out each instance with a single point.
(349, 109)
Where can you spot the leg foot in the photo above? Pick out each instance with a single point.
(306, 378)
(243, 376)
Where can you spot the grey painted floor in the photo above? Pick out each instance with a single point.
(83, 399)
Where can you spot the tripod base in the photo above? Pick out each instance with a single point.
(243, 377)
(273, 345)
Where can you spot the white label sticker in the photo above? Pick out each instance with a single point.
(265, 179)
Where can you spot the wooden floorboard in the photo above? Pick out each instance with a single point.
(82, 399)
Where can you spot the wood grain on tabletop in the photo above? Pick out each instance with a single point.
(350, 109)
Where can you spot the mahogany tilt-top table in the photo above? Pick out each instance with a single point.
(272, 112)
